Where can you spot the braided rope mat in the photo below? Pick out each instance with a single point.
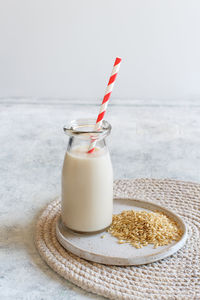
(176, 277)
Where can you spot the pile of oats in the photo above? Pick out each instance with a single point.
(140, 228)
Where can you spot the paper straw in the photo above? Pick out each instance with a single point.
(105, 101)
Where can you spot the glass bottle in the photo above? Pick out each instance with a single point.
(87, 178)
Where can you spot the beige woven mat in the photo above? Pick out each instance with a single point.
(177, 277)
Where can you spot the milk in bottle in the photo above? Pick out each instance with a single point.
(87, 179)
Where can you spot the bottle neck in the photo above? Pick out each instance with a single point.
(75, 143)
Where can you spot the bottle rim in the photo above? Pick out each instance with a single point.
(85, 128)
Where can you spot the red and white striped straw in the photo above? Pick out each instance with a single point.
(106, 98)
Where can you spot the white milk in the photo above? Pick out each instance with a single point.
(87, 190)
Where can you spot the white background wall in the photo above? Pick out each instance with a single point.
(66, 48)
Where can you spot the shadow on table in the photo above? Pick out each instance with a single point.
(22, 236)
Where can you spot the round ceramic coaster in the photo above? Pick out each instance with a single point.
(104, 248)
(176, 277)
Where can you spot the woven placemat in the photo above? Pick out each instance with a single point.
(177, 277)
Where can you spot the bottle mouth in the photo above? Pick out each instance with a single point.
(85, 129)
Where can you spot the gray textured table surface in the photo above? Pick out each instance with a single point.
(159, 139)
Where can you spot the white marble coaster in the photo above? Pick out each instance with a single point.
(108, 251)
